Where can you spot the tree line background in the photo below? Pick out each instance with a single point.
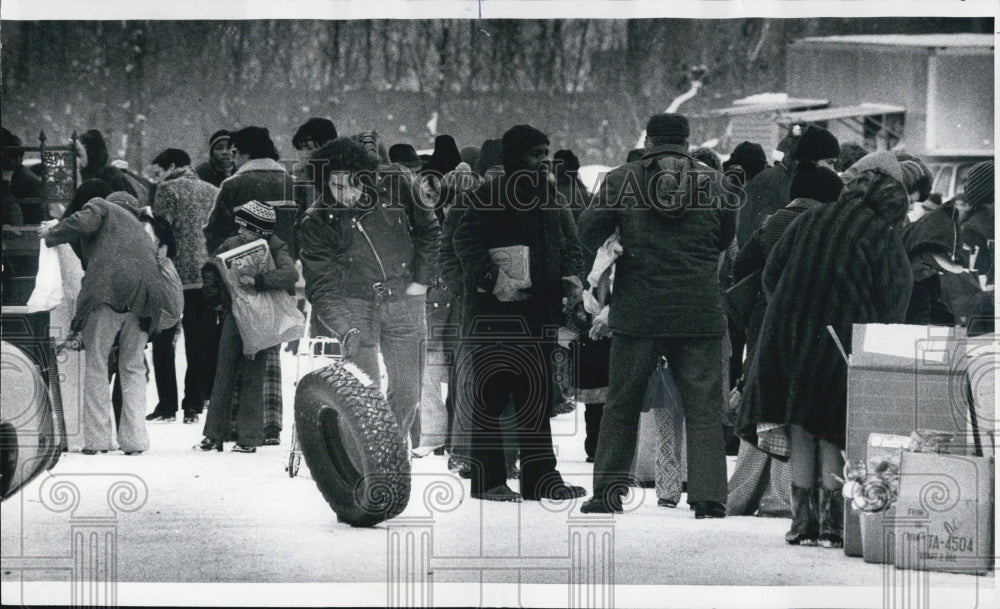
(590, 84)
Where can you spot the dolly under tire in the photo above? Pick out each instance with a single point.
(352, 445)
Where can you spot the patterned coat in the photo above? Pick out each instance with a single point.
(185, 201)
(836, 265)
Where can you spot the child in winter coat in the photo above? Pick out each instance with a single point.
(255, 221)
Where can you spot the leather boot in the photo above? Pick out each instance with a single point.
(831, 518)
(805, 526)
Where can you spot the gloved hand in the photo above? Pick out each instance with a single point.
(247, 281)
(350, 344)
(508, 289)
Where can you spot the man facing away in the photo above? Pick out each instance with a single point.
(674, 219)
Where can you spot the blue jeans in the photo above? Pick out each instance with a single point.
(398, 329)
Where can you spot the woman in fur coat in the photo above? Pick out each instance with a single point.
(836, 265)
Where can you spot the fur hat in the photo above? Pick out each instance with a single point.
(979, 185)
(816, 144)
(258, 218)
(883, 161)
(816, 183)
(668, 125)
(518, 140)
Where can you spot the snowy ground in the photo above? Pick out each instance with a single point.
(229, 517)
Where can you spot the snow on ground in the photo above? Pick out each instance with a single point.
(230, 517)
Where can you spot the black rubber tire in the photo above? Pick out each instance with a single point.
(352, 445)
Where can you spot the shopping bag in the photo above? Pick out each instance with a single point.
(48, 292)
(264, 319)
(661, 392)
(660, 443)
(173, 295)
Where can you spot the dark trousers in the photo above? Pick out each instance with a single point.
(697, 370)
(250, 416)
(501, 373)
(164, 370)
(592, 421)
(201, 346)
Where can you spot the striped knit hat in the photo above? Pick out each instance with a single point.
(916, 176)
(979, 186)
(256, 217)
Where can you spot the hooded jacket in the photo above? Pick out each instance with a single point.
(122, 271)
(666, 280)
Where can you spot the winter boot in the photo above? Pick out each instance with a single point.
(805, 527)
(831, 518)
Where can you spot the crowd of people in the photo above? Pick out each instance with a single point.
(735, 278)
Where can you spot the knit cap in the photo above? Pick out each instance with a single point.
(517, 141)
(668, 125)
(816, 144)
(256, 217)
(916, 177)
(979, 185)
(217, 137)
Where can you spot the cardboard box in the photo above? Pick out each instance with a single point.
(877, 536)
(901, 378)
(944, 516)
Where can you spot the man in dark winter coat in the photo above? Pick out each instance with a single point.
(219, 165)
(520, 208)
(674, 219)
(368, 253)
(258, 177)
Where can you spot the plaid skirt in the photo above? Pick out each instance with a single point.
(272, 388)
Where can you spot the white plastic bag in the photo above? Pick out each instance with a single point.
(264, 319)
(48, 292)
